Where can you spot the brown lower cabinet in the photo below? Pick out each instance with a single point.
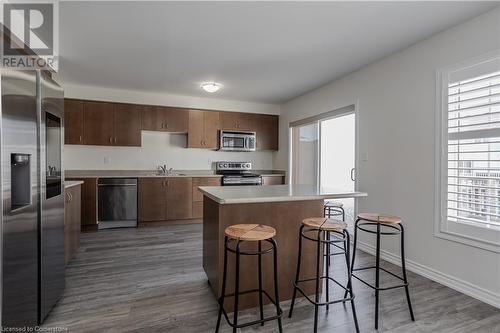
(165, 198)
(179, 198)
(273, 180)
(198, 196)
(72, 221)
(88, 203)
(152, 199)
(172, 198)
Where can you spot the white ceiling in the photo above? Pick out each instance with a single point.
(260, 52)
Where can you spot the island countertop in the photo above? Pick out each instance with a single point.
(274, 193)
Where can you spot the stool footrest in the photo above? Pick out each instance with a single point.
(381, 268)
(323, 303)
(255, 322)
(333, 254)
(375, 288)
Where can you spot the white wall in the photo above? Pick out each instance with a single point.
(396, 105)
(157, 147)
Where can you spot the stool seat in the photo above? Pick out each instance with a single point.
(379, 218)
(250, 232)
(325, 224)
(334, 204)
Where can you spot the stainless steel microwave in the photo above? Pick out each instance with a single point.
(237, 141)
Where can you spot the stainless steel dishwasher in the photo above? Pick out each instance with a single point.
(116, 202)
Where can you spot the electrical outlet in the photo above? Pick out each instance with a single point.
(106, 159)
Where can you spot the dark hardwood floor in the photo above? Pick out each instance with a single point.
(152, 280)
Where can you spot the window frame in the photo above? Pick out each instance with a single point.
(473, 234)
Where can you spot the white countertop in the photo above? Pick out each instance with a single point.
(153, 173)
(274, 193)
(71, 183)
(136, 173)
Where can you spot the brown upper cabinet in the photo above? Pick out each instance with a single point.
(98, 123)
(120, 124)
(102, 123)
(73, 122)
(266, 129)
(127, 125)
(237, 121)
(203, 129)
(166, 119)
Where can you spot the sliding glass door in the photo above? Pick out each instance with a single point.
(305, 154)
(338, 156)
(323, 153)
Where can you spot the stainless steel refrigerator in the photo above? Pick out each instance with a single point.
(32, 220)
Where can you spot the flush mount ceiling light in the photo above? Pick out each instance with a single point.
(211, 87)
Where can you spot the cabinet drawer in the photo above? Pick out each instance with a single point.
(273, 180)
(203, 181)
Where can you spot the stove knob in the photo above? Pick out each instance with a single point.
(226, 165)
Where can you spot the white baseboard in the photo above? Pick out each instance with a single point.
(462, 286)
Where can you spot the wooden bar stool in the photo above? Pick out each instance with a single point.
(315, 229)
(332, 209)
(393, 226)
(239, 234)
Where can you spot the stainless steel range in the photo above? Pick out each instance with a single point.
(237, 173)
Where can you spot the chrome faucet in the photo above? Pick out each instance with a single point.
(162, 169)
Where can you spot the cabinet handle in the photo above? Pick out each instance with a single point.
(80, 138)
(115, 139)
(166, 125)
(110, 140)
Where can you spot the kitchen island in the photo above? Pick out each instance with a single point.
(280, 206)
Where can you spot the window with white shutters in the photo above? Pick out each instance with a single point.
(474, 150)
(468, 152)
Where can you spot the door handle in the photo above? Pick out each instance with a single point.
(353, 175)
